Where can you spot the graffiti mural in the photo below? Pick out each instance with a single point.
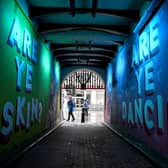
(140, 96)
(26, 73)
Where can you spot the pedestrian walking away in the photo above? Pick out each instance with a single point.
(70, 109)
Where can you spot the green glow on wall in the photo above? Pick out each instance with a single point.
(57, 71)
(37, 75)
(46, 61)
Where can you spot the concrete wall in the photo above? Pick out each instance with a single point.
(137, 90)
(29, 80)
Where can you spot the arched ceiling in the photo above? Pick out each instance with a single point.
(85, 32)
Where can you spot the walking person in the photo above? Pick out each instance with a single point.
(85, 107)
(70, 109)
(84, 111)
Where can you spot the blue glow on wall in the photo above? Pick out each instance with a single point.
(140, 97)
(109, 77)
(120, 65)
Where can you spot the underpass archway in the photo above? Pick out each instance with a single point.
(84, 84)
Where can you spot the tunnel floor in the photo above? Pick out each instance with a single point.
(82, 145)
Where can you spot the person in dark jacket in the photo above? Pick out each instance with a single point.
(70, 109)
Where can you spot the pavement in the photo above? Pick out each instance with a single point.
(82, 145)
